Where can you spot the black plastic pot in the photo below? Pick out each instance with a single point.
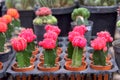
(116, 47)
(39, 31)
(26, 17)
(104, 18)
(4, 56)
(63, 16)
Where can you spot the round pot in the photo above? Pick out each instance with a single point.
(69, 67)
(104, 18)
(42, 58)
(99, 67)
(33, 59)
(59, 51)
(4, 56)
(17, 69)
(39, 31)
(50, 69)
(107, 58)
(63, 16)
(36, 51)
(68, 59)
(116, 47)
(1, 65)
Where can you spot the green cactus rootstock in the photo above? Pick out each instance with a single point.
(9, 31)
(70, 50)
(99, 58)
(77, 57)
(81, 15)
(23, 59)
(30, 48)
(49, 58)
(2, 41)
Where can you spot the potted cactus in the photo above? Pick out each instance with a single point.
(29, 36)
(99, 56)
(101, 12)
(77, 31)
(49, 45)
(4, 51)
(22, 64)
(77, 64)
(62, 10)
(43, 17)
(25, 8)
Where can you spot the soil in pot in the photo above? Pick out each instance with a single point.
(69, 67)
(50, 69)
(17, 69)
(99, 67)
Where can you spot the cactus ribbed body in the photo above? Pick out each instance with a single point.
(49, 58)
(99, 58)
(2, 41)
(77, 57)
(70, 50)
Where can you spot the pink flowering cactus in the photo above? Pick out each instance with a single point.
(73, 34)
(43, 11)
(81, 29)
(99, 44)
(79, 41)
(28, 35)
(53, 28)
(3, 27)
(106, 35)
(48, 43)
(51, 35)
(19, 44)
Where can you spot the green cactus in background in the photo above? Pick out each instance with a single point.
(98, 2)
(118, 23)
(2, 41)
(45, 20)
(20, 4)
(55, 3)
(81, 15)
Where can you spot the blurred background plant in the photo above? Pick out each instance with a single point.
(98, 2)
(55, 3)
(20, 4)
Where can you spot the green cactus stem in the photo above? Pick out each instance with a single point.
(2, 41)
(99, 58)
(9, 31)
(16, 23)
(23, 59)
(77, 57)
(30, 48)
(49, 58)
(70, 50)
(80, 20)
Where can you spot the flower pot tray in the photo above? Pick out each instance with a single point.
(6, 65)
(63, 41)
